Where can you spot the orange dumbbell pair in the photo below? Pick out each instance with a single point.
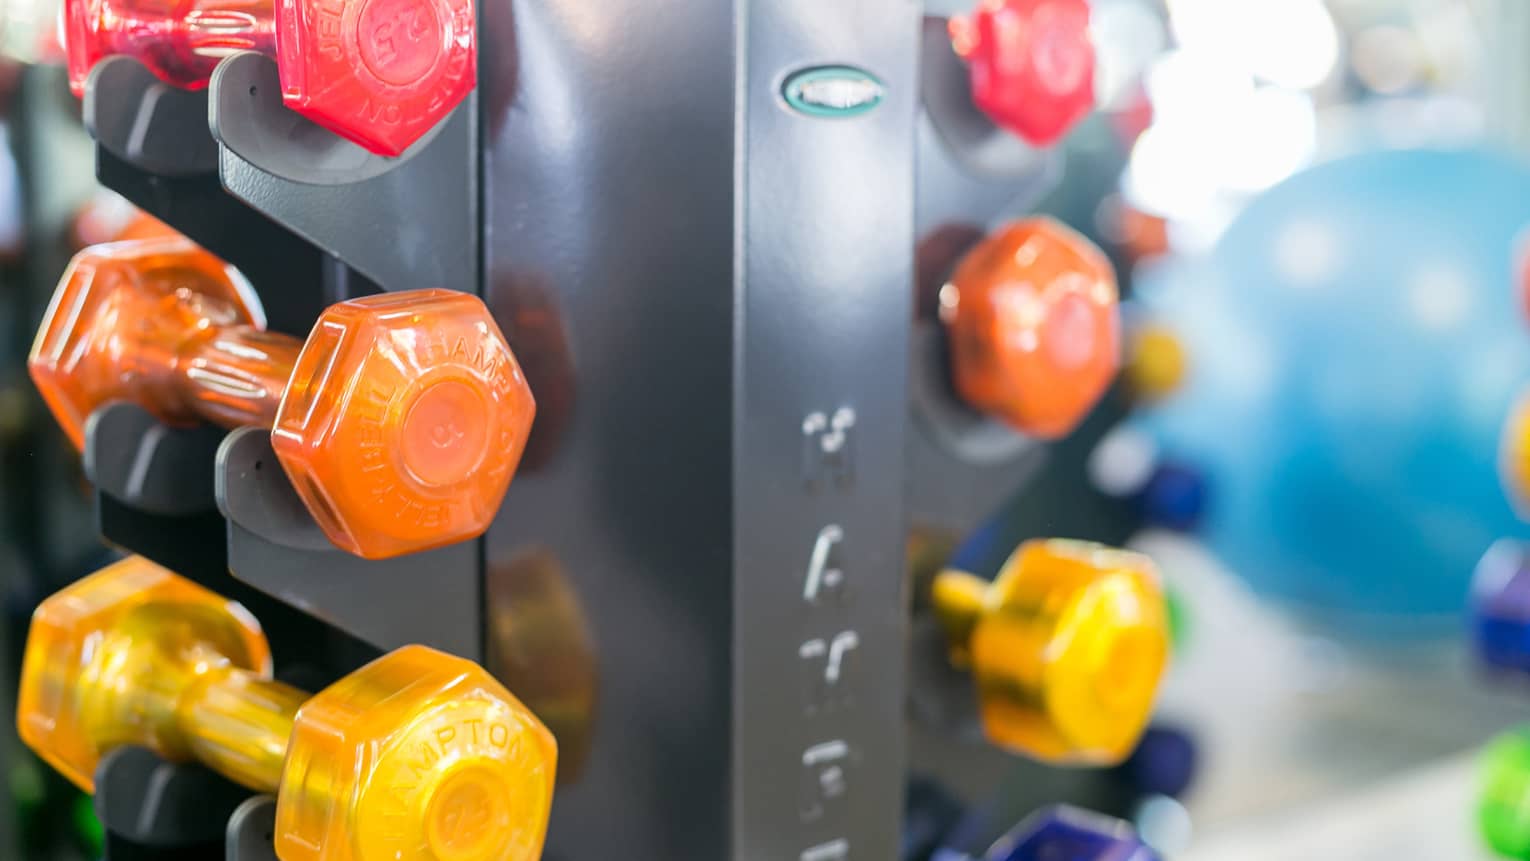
(400, 421)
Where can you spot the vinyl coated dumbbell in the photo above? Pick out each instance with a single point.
(418, 756)
(1031, 64)
(380, 73)
(400, 421)
(1033, 323)
(1066, 645)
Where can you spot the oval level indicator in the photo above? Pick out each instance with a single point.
(832, 91)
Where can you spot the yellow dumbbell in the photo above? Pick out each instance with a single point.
(418, 756)
(1066, 646)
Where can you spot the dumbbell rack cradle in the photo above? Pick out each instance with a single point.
(720, 303)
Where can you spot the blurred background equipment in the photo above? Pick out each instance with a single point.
(1176, 351)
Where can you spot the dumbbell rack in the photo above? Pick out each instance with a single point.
(724, 308)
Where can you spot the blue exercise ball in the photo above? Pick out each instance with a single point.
(1355, 342)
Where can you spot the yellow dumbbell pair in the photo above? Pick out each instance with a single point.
(418, 756)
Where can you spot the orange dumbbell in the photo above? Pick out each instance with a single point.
(400, 421)
(418, 756)
(1034, 326)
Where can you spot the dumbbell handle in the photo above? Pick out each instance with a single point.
(187, 703)
(183, 43)
(959, 598)
(231, 376)
(238, 724)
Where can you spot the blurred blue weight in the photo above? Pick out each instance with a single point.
(1165, 762)
(1069, 834)
(1354, 343)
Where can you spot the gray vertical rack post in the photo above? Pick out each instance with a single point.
(702, 237)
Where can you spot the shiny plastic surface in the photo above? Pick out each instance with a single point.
(418, 755)
(1032, 64)
(181, 42)
(400, 421)
(142, 321)
(1034, 326)
(377, 72)
(1067, 646)
(121, 656)
(1065, 833)
(405, 419)
(110, 218)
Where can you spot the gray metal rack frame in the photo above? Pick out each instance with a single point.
(742, 409)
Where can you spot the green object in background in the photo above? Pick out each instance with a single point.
(26, 785)
(1179, 618)
(87, 828)
(1503, 807)
(29, 795)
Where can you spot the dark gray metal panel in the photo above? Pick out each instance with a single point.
(131, 456)
(141, 119)
(143, 799)
(608, 204)
(825, 238)
(404, 223)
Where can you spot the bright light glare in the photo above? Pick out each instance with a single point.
(1127, 35)
(1213, 141)
(1188, 84)
(1269, 136)
(1289, 43)
(1165, 176)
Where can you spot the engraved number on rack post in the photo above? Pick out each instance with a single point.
(825, 778)
(825, 581)
(826, 665)
(828, 451)
(834, 850)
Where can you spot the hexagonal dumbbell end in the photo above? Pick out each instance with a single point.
(404, 421)
(101, 654)
(381, 73)
(1031, 63)
(1066, 646)
(418, 756)
(118, 313)
(1032, 317)
(1065, 833)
